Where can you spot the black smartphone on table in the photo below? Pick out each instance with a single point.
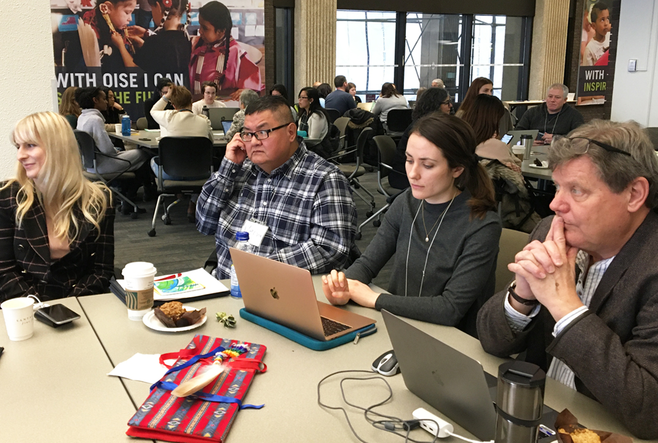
(56, 315)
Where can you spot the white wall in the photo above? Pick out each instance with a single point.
(635, 95)
(26, 70)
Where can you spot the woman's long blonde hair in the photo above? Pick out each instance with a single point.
(64, 186)
(69, 106)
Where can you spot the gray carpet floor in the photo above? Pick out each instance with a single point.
(180, 247)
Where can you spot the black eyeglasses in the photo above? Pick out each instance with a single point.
(585, 146)
(260, 135)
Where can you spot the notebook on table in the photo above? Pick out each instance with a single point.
(285, 295)
(451, 382)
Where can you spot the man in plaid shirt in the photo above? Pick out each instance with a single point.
(296, 206)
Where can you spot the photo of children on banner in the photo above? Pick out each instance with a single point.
(209, 60)
(598, 44)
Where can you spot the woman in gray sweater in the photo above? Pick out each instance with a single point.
(442, 233)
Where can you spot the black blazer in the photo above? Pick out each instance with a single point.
(613, 348)
(25, 264)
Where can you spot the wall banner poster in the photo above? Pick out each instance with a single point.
(128, 45)
(598, 48)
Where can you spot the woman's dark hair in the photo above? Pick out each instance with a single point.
(473, 91)
(484, 116)
(314, 102)
(178, 7)
(456, 140)
(219, 16)
(281, 89)
(324, 89)
(430, 101)
(87, 96)
(388, 89)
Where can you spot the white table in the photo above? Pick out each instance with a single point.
(54, 387)
(288, 388)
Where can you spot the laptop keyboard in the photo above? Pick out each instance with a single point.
(332, 327)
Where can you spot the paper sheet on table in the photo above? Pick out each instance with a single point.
(210, 283)
(141, 367)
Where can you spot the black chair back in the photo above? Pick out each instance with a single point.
(387, 152)
(398, 119)
(87, 148)
(186, 156)
(333, 114)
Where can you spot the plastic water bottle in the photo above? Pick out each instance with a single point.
(125, 125)
(242, 245)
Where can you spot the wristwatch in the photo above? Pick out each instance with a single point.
(517, 297)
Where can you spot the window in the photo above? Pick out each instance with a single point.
(453, 47)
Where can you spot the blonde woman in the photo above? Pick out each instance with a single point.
(69, 107)
(56, 228)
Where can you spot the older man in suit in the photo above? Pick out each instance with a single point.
(584, 304)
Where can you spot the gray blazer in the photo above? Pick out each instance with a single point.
(613, 348)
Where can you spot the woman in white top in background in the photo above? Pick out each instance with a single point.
(389, 98)
(208, 100)
(312, 118)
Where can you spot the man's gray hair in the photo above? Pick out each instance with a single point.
(247, 97)
(565, 90)
(439, 83)
(616, 170)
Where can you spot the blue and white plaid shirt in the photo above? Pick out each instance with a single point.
(306, 204)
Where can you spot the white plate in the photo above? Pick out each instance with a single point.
(151, 321)
(544, 165)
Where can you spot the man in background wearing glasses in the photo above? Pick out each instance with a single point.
(296, 206)
(584, 304)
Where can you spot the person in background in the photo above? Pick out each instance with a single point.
(419, 92)
(352, 91)
(114, 110)
(583, 305)
(246, 98)
(93, 102)
(281, 90)
(438, 83)
(432, 100)
(389, 98)
(480, 85)
(445, 226)
(516, 208)
(312, 117)
(180, 122)
(553, 117)
(309, 220)
(168, 48)
(324, 89)
(209, 99)
(161, 89)
(69, 107)
(56, 227)
(340, 99)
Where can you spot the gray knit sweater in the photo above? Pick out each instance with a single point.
(460, 272)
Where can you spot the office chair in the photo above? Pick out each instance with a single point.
(341, 124)
(88, 153)
(355, 170)
(387, 150)
(397, 121)
(511, 242)
(142, 123)
(181, 157)
(333, 114)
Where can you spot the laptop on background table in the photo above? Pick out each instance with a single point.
(285, 294)
(218, 115)
(451, 382)
(516, 135)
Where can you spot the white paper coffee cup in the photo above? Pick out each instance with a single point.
(138, 281)
(19, 318)
(117, 128)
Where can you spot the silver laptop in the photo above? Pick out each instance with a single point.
(516, 135)
(451, 382)
(218, 115)
(285, 294)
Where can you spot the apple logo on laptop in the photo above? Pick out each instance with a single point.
(274, 293)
